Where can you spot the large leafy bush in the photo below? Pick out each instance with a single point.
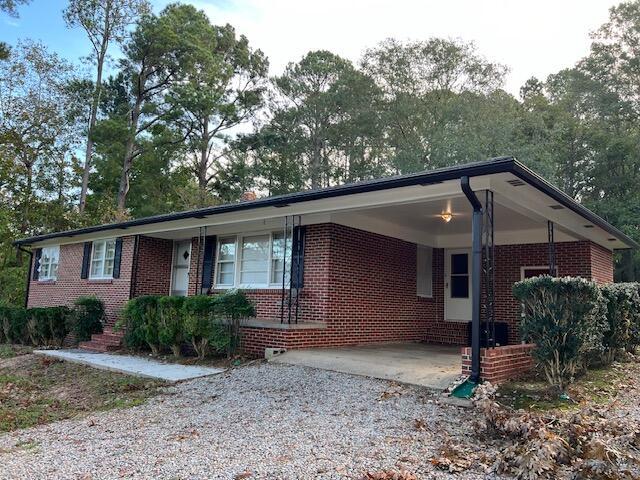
(48, 325)
(234, 306)
(140, 322)
(201, 323)
(566, 319)
(87, 318)
(208, 323)
(170, 323)
(13, 323)
(622, 308)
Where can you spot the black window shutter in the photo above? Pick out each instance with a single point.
(116, 258)
(37, 254)
(297, 257)
(207, 261)
(86, 259)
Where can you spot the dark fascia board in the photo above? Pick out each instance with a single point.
(562, 198)
(495, 165)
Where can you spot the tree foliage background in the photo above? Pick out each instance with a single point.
(187, 116)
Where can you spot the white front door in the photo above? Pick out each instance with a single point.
(180, 268)
(457, 285)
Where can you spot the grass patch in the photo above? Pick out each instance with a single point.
(36, 390)
(597, 386)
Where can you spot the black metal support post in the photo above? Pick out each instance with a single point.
(284, 270)
(489, 269)
(552, 248)
(476, 270)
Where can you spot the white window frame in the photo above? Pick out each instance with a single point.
(101, 275)
(45, 269)
(535, 267)
(238, 263)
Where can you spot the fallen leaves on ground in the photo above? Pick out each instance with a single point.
(390, 475)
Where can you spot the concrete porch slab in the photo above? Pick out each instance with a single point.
(141, 367)
(431, 366)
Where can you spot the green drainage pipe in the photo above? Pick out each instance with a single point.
(465, 389)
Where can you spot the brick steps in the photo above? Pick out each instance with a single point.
(107, 341)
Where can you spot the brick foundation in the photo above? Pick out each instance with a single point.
(500, 364)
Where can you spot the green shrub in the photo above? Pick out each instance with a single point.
(623, 302)
(234, 306)
(13, 322)
(140, 322)
(47, 326)
(170, 323)
(565, 318)
(199, 317)
(634, 319)
(87, 318)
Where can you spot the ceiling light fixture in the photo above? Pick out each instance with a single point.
(446, 216)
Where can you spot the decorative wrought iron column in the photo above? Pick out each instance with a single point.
(552, 248)
(285, 234)
(488, 270)
(289, 300)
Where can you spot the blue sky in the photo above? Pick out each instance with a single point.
(533, 39)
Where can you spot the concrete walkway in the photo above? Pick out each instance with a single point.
(432, 366)
(141, 367)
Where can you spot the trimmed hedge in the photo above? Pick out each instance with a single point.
(13, 324)
(49, 326)
(566, 319)
(623, 319)
(87, 318)
(573, 321)
(206, 322)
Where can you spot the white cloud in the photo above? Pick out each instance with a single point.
(532, 38)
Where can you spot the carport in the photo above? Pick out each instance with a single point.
(431, 366)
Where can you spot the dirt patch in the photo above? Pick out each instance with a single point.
(35, 390)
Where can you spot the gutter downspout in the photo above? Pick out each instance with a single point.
(476, 268)
(26, 293)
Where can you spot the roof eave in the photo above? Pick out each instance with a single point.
(498, 165)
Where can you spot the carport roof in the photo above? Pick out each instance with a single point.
(431, 177)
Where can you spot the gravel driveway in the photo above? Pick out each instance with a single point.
(260, 421)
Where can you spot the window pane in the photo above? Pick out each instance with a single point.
(226, 267)
(227, 249)
(255, 260)
(111, 249)
(98, 250)
(460, 263)
(225, 278)
(460, 286)
(254, 278)
(108, 268)
(255, 248)
(54, 271)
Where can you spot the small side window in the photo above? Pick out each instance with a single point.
(424, 272)
(530, 272)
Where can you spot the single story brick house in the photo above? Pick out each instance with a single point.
(426, 257)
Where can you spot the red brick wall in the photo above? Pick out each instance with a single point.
(363, 285)
(601, 264)
(69, 286)
(153, 267)
(500, 364)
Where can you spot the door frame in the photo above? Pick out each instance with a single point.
(446, 273)
(173, 264)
